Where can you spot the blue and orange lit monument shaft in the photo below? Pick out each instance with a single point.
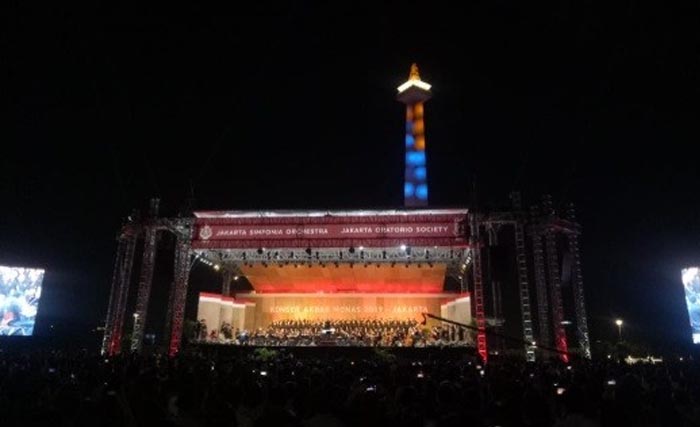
(414, 92)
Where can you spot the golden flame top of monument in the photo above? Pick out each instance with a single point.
(414, 80)
(414, 74)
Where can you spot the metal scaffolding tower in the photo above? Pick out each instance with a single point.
(144, 289)
(577, 285)
(523, 281)
(182, 269)
(478, 289)
(540, 287)
(119, 292)
(555, 296)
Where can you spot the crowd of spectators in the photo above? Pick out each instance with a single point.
(211, 389)
(357, 332)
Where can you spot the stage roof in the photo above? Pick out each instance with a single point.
(383, 278)
(328, 229)
(317, 214)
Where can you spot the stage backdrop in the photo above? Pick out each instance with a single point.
(272, 307)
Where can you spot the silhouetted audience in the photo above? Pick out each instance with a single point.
(201, 388)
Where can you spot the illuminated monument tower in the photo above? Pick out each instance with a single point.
(414, 93)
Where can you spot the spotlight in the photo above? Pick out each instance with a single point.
(362, 248)
(403, 247)
(235, 277)
(217, 267)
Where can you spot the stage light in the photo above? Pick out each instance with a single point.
(403, 247)
(235, 277)
(217, 267)
(362, 248)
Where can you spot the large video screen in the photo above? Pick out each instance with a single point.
(20, 290)
(691, 283)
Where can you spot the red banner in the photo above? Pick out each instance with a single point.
(207, 232)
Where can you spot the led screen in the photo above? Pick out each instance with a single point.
(20, 290)
(691, 283)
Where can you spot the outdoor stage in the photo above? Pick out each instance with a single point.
(381, 266)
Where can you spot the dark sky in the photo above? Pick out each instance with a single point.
(292, 107)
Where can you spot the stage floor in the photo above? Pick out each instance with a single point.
(334, 352)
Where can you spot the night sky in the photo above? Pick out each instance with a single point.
(293, 107)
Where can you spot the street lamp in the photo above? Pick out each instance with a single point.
(619, 322)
